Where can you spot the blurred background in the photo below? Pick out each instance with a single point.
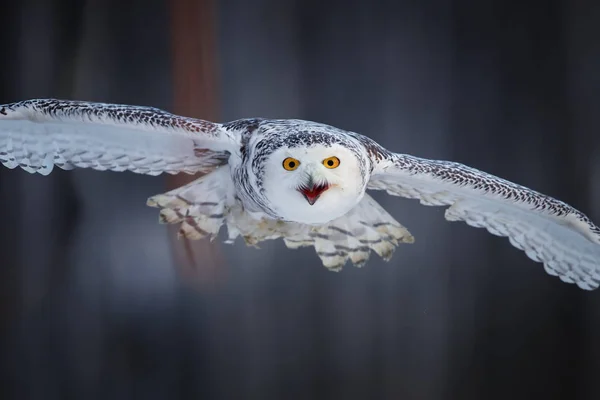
(99, 301)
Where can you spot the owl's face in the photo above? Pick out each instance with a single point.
(314, 184)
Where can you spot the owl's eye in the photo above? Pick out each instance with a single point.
(290, 164)
(331, 162)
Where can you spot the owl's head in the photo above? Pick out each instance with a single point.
(314, 181)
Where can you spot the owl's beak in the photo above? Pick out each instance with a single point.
(312, 192)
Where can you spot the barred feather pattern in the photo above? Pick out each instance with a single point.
(366, 228)
(38, 134)
(547, 230)
(202, 207)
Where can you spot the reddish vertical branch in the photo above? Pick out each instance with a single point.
(194, 94)
(194, 58)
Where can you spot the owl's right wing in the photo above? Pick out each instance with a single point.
(38, 134)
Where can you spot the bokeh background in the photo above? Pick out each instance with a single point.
(99, 301)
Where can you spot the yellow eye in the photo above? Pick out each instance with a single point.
(290, 164)
(331, 162)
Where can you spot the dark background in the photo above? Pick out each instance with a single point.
(98, 301)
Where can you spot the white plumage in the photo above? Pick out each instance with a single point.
(36, 135)
(298, 180)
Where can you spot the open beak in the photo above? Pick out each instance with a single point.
(312, 192)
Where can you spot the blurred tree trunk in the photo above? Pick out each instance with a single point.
(195, 95)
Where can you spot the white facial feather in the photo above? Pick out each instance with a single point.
(345, 183)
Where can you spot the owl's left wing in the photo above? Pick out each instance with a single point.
(548, 230)
(38, 134)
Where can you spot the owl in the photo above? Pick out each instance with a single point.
(302, 181)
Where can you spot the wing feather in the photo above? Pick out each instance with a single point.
(38, 134)
(549, 231)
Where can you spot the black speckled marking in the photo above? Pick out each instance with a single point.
(247, 126)
(299, 133)
(75, 154)
(116, 113)
(462, 175)
(270, 135)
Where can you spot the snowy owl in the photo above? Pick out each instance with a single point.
(302, 181)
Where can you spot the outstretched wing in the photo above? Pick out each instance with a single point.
(38, 134)
(548, 230)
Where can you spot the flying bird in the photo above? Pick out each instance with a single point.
(298, 180)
